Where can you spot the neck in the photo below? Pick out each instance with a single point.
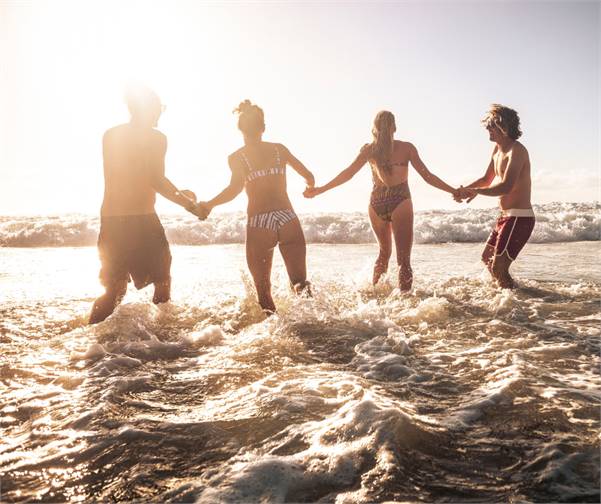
(140, 123)
(252, 140)
(505, 144)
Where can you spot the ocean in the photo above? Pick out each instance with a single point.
(456, 392)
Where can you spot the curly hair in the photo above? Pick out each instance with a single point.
(504, 118)
(251, 120)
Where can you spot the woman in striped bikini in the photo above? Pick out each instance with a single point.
(390, 206)
(260, 167)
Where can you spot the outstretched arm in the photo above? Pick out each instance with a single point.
(298, 167)
(232, 190)
(426, 174)
(159, 181)
(344, 176)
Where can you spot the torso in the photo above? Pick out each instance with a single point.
(264, 168)
(127, 152)
(519, 196)
(398, 167)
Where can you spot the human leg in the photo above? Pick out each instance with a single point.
(294, 252)
(381, 229)
(402, 229)
(106, 304)
(260, 243)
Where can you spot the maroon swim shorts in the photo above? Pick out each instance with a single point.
(511, 232)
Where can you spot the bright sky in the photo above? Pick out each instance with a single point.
(319, 70)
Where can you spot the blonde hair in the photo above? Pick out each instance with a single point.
(504, 118)
(380, 149)
(251, 120)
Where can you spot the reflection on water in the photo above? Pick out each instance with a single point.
(458, 391)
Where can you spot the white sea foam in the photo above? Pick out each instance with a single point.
(556, 222)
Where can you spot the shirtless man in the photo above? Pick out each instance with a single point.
(508, 177)
(132, 242)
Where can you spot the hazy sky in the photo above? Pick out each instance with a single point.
(320, 71)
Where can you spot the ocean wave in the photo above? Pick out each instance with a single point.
(556, 222)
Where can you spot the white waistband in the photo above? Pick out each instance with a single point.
(518, 212)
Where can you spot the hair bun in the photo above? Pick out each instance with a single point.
(244, 107)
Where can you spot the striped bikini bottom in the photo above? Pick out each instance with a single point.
(273, 220)
(385, 199)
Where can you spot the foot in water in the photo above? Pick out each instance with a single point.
(303, 288)
(405, 278)
(380, 268)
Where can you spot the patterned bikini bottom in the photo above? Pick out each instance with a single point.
(385, 199)
(273, 220)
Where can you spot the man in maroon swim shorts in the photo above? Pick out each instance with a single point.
(508, 177)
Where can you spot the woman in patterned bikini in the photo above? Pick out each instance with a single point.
(260, 167)
(390, 207)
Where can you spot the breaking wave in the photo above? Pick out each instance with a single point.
(556, 222)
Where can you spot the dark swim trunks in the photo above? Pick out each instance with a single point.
(512, 230)
(133, 247)
(385, 199)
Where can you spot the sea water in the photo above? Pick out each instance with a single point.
(459, 391)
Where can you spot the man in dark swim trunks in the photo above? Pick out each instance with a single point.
(132, 242)
(507, 176)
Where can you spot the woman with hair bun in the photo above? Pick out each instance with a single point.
(260, 167)
(390, 206)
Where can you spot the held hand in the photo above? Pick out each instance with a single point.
(311, 192)
(457, 194)
(200, 209)
(469, 194)
(203, 209)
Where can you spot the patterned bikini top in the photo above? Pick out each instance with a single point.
(387, 167)
(278, 169)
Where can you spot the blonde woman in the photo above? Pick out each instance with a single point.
(260, 167)
(390, 206)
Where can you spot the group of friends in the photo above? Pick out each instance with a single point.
(132, 242)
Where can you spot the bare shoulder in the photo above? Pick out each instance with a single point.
(407, 147)
(236, 154)
(518, 152)
(114, 132)
(519, 148)
(280, 147)
(157, 136)
(235, 158)
(365, 151)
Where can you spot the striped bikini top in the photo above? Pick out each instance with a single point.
(255, 174)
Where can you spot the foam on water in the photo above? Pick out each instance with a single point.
(457, 391)
(556, 222)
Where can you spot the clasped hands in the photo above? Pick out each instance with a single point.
(199, 208)
(466, 194)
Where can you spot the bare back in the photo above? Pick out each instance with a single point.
(519, 195)
(396, 170)
(263, 167)
(132, 157)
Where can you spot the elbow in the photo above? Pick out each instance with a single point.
(158, 183)
(503, 189)
(234, 190)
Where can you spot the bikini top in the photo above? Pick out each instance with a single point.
(255, 174)
(388, 167)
